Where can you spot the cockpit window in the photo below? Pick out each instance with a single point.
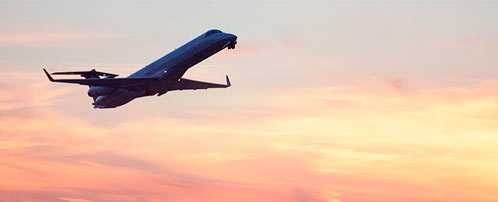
(214, 31)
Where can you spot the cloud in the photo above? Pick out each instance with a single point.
(475, 42)
(73, 199)
(34, 94)
(45, 38)
(342, 143)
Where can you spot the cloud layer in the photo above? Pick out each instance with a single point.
(348, 143)
(332, 101)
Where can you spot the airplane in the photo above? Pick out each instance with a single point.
(157, 78)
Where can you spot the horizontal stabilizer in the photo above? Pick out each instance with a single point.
(87, 74)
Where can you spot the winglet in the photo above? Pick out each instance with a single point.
(48, 75)
(228, 82)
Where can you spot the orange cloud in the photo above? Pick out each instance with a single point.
(349, 143)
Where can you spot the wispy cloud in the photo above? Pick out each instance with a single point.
(345, 143)
(44, 38)
(73, 199)
(35, 94)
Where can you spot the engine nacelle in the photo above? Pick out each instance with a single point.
(96, 91)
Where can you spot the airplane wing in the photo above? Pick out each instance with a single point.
(135, 84)
(187, 84)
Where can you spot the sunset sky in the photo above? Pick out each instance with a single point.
(333, 101)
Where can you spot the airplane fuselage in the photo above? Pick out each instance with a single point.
(169, 69)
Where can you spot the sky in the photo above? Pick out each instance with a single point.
(331, 101)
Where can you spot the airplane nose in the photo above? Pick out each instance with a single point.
(233, 40)
(231, 37)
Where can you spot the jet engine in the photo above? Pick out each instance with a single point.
(96, 91)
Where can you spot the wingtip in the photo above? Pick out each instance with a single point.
(48, 75)
(228, 82)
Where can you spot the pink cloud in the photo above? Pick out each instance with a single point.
(475, 42)
(43, 38)
(343, 143)
(74, 199)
